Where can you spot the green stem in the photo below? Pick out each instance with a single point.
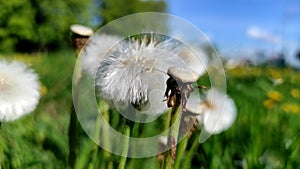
(110, 165)
(160, 164)
(173, 135)
(95, 149)
(180, 152)
(93, 157)
(106, 138)
(123, 160)
(191, 152)
(72, 138)
(136, 127)
(72, 133)
(167, 120)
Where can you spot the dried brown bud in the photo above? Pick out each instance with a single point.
(80, 35)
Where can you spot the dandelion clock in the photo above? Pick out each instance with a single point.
(136, 67)
(215, 113)
(19, 90)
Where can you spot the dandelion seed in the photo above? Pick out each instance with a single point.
(19, 90)
(96, 50)
(216, 113)
(137, 67)
(221, 112)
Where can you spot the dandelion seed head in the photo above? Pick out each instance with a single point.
(19, 90)
(2, 84)
(198, 62)
(136, 68)
(221, 111)
(195, 105)
(95, 51)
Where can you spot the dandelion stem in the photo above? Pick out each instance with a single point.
(94, 152)
(123, 160)
(73, 117)
(110, 165)
(173, 134)
(167, 119)
(180, 152)
(136, 128)
(72, 138)
(106, 138)
(189, 155)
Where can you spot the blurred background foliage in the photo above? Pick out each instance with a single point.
(113, 9)
(33, 25)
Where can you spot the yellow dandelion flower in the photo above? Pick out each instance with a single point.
(43, 90)
(290, 108)
(268, 103)
(275, 95)
(295, 93)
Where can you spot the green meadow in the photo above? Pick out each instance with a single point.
(266, 132)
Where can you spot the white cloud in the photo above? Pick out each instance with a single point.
(262, 34)
(292, 60)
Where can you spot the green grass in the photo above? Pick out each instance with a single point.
(261, 137)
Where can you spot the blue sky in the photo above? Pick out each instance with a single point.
(237, 26)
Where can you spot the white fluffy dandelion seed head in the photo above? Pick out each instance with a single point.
(95, 51)
(221, 112)
(19, 90)
(194, 105)
(197, 61)
(136, 68)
